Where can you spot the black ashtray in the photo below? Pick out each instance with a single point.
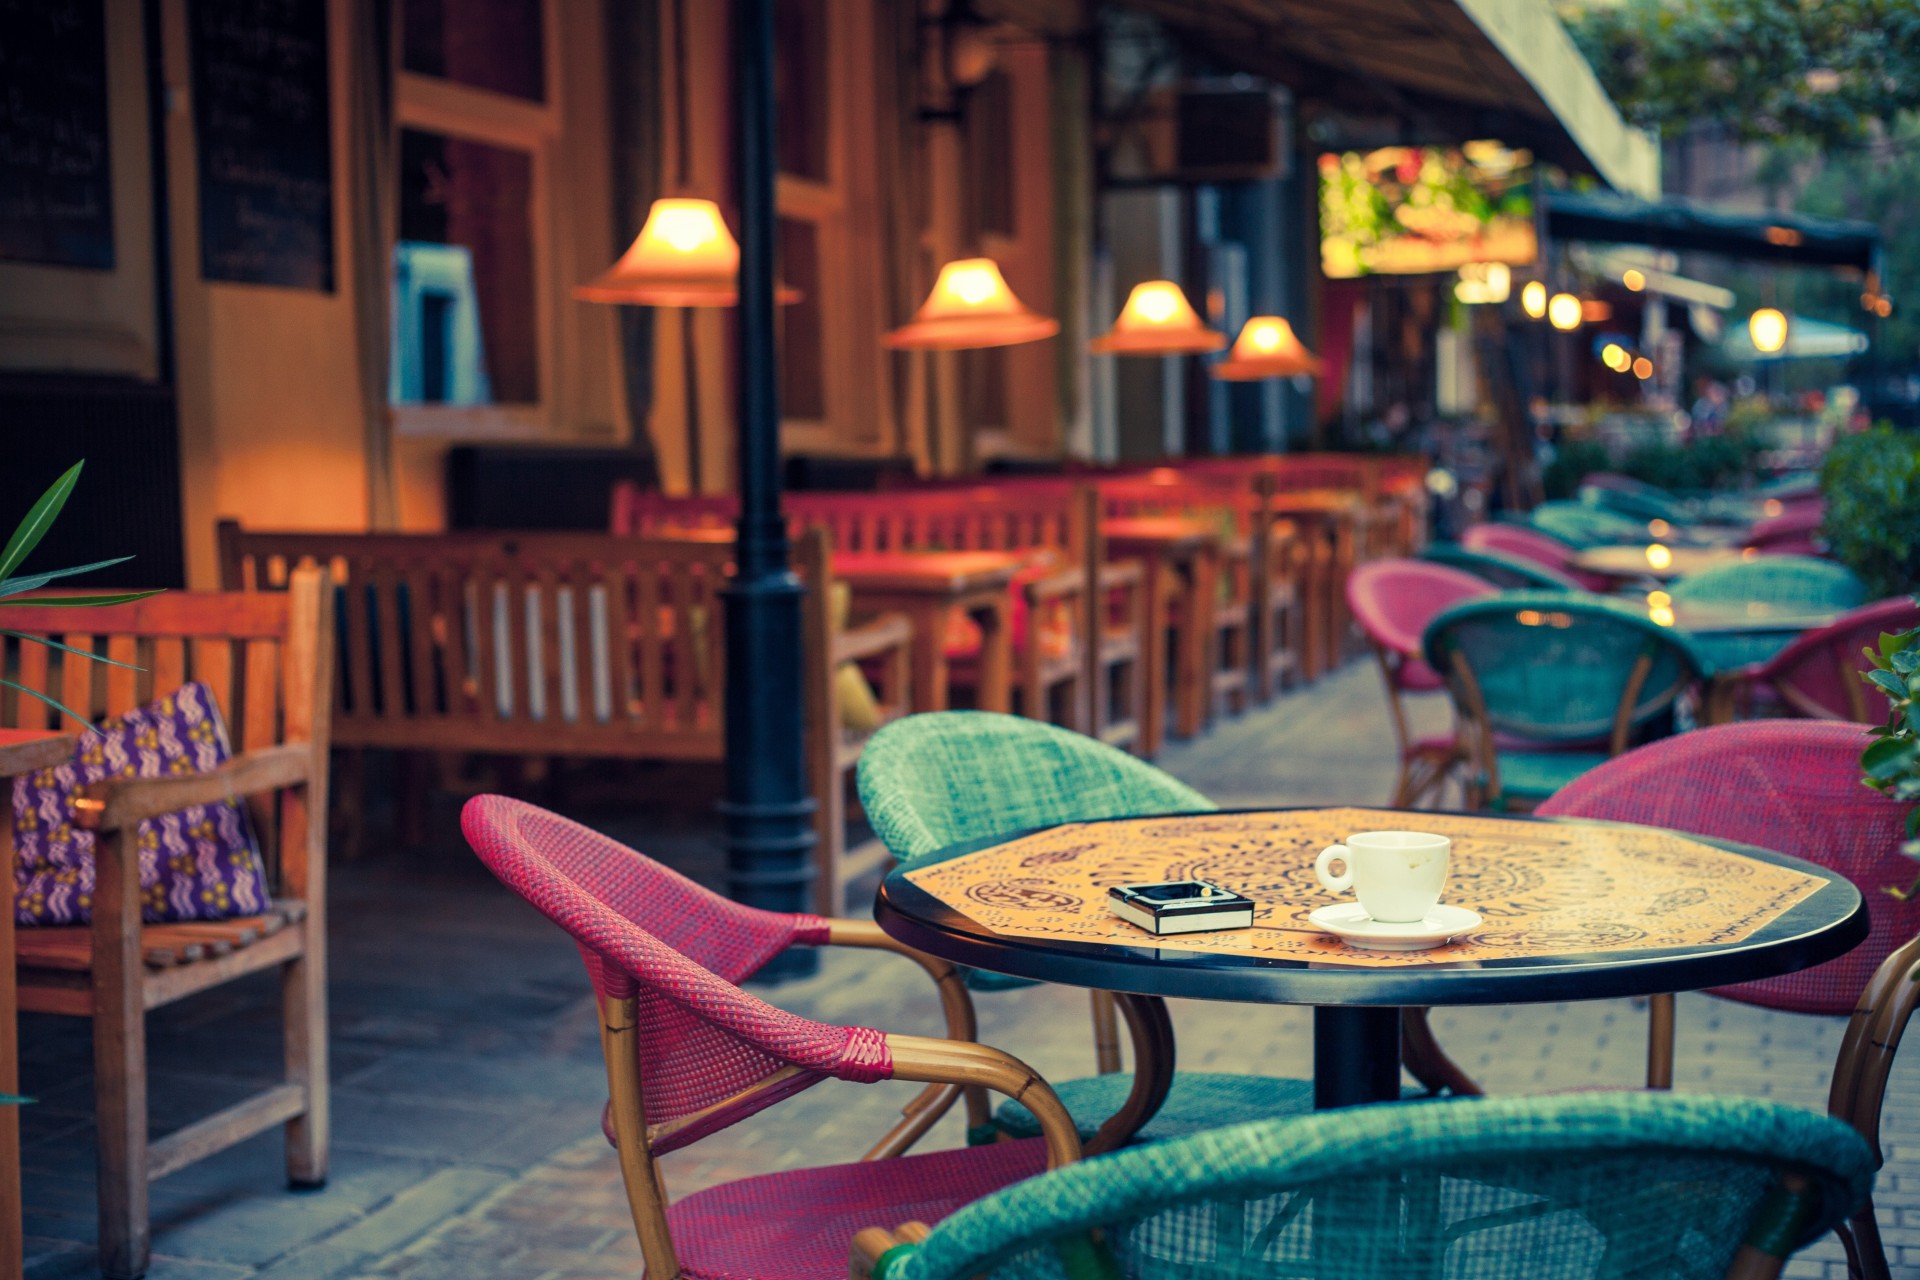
(1180, 906)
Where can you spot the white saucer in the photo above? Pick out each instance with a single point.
(1349, 922)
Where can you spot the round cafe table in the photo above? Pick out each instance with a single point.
(1637, 563)
(1574, 911)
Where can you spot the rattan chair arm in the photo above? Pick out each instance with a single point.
(1872, 1040)
(873, 638)
(965, 1063)
(1775, 1231)
(121, 802)
(874, 1243)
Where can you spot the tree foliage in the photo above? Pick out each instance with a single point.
(1766, 70)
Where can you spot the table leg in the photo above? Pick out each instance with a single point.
(1356, 1056)
(1153, 656)
(929, 655)
(996, 655)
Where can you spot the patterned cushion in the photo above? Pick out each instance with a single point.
(198, 864)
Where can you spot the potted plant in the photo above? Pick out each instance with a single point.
(1892, 760)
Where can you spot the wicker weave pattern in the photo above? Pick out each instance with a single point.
(1522, 543)
(1776, 579)
(929, 781)
(1588, 1185)
(702, 1039)
(1507, 572)
(1394, 600)
(1821, 664)
(1790, 785)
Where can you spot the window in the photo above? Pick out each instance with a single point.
(473, 281)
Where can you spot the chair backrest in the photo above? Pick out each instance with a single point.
(561, 642)
(1818, 675)
(1584, 526)
(1394, 600)
(1505, 571)
(267, 658)
(1775, 579)
(1560, 666)
(1520, 543)
(1640, 502)
(1789, 785)
(1796, 530)
(1546, 1188)
(645, 930)
(933, 780)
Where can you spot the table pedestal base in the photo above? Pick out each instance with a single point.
(1356, 1056)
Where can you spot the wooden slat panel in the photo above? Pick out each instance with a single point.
(34, 714)
(520, 639)
(586, 659)
(646, 631)
(687, 639)
(390, 640)
(623, 672)
(213, 666)
(426, 619)
(168, 664)
(483, 605)
(260, 698)
(357, 699)
(177, 613)
(552, 659)
(122, 697)
(76, 679)
(456, 656)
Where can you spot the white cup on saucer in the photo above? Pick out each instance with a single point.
(1396, 875)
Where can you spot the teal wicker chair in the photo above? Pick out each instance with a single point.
(1593, 1186)
(1795, 581)
(930, 781)
(1583, 526)
(1509, 573)
(1585, 676)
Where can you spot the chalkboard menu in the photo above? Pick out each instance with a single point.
(263, 131)
(56, 201)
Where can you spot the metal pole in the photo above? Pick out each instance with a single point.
(768, 810)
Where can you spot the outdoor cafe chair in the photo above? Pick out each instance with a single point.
(931, 781)
(1793, 786)
(1634, 498)
(1789, 580)
(1519, 542)
(1578, 677)
(1639, 1186)
(1393, 601)
(1817, 676)
(1584, 526)
(1505, 571)
(1795, 531)
(689, 1053)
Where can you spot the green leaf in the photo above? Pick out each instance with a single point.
(1889, 757)
(38, 520)
(34, 581)
(1887, 681)
(82, 602)
(30, 638)
(62, 708)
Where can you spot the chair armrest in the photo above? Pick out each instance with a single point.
(122, 802)
(1055, 586)
(963, 1062)
(872, 638)
(874, 1243)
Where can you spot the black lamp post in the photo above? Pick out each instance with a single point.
(768, 809)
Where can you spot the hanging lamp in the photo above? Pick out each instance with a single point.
(684, 256)
(1767, 327)
(1266, 348)
(1158, 321)
(970, 306)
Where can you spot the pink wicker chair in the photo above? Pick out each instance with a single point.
(689, 1053)
(1393, 601)
(1794, 786)
(1795, 531)
(1818, 675)
(1531, 544)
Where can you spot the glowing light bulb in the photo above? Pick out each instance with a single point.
(1533, 299)
(1614, 356)
(1563, 312)
(1768, 329)
(973, 285)
(1634, 279)
(1659, 528)
(1157, 303)
(1659, 557)
(1643, 368)
(689, 227)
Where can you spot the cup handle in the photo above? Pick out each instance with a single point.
(1328, 856)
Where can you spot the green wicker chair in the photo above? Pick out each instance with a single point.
(1582, 526)
(1615, 1186)
(1582, 674)
(933, 780)
(1796, 581)
(1509, 573)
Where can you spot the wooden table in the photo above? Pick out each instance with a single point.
(1573, 911)
(1333, 525)
(1180, 555)
(1629, 563)
(928, 587)
(21, 751)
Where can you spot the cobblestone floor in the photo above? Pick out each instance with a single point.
(468, 1083)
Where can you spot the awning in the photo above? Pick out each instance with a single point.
(1786, 238)
(1806, 340)
(1451, 70)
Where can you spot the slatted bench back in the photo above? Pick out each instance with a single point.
(564, 644)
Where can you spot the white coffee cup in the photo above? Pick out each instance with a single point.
(1397, 875)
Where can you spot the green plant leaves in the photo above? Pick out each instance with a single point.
(34, 581)
(38, 520)
(57, 705)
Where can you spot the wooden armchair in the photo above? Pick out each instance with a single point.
(268, 660)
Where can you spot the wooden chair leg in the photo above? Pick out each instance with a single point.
(303, 990)
(1420, 1050)
(120, 1060)
(1866, 1253)
(1106, 1033)
(1660, 1042)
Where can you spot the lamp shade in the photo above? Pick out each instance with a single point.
(1266, 348)
(1158, 321)
(683, 257)
(971, 306)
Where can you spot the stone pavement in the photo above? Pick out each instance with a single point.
(468, 1081)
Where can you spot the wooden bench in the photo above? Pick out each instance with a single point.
(268, 660)
(1076, 666)
(570, 645)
